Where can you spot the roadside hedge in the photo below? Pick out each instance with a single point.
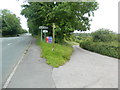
(101, 47)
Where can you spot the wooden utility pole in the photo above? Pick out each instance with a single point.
(53, 37)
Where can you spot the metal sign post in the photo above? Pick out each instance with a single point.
(41, 34)
(45, 31)
(42, 27)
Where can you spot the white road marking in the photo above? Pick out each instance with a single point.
(16, 66)
(9, 43)
(11, 75)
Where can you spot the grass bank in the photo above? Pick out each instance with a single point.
(59, 56)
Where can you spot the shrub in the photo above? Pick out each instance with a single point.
(85, 43)
(118, 37)
(104, 35)
(101, 47)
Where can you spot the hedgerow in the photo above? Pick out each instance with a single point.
(104, 48)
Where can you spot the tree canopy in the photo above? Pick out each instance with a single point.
(10, 23)
(67, 16)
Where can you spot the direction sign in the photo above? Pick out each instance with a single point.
(43, 27)
(45, 31)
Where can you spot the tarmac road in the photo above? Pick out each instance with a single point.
(0, 64)
(12, 50)
(87, 70)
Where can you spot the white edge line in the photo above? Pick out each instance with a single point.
(16, 66)
(11, 75)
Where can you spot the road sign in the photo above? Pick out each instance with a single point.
(45, 31)
(43, 27)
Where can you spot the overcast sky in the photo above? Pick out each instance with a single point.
(105, 17)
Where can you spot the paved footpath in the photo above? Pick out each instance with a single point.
(87, 70)
(32, 72)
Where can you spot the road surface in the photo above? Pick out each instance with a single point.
(12, 50)
(0, 63)
(87, 70)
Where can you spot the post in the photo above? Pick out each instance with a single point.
(41, 34)
(53, 36)
(45, 36)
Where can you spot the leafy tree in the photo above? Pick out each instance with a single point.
(67, 16)
(24, 31)
(10, 23)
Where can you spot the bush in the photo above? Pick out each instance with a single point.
(104, 35)
(102, 41)
(101, 47)
(118, 37)
(86, 43)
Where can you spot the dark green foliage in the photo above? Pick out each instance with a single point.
(110, 46)
(10, 23)
(23, 31)
(101, 47)
(67, 17)
(104, 35)
(118, 37)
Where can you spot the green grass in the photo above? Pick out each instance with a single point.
(59, 56)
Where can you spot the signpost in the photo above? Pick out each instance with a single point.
(45, 31)
(42, 27)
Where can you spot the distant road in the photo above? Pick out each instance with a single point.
(12, 50)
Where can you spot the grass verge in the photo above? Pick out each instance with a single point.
(59, 56)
